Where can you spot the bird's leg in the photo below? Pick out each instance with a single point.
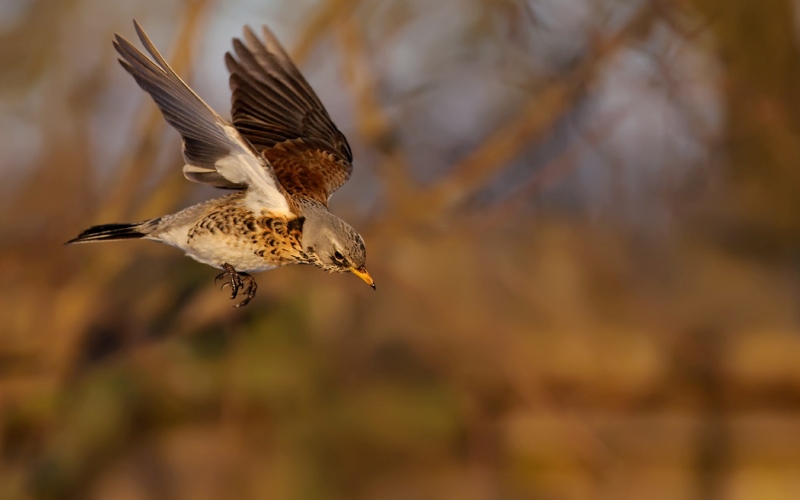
(234, 279)
(249, 289)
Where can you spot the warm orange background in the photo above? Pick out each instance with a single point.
(583, 221)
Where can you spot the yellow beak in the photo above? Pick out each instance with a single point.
(364, 275)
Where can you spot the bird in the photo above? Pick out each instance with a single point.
(280, 157)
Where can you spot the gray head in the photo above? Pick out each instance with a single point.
(333, 245)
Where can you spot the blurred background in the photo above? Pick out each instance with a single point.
(583, 217)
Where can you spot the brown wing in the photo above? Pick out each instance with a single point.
(278, 112)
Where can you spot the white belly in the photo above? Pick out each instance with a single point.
(216, 250)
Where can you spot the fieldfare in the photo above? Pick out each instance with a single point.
(281, 156)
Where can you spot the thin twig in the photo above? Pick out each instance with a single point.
(537, 117)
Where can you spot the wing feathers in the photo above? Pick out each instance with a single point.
(274, 57)
(180, 107)
(282, 141)
(274, 105)
(214, 150)
(210, 177)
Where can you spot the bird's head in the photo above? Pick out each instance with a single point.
(333, 245)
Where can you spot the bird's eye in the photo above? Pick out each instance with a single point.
(338, 255)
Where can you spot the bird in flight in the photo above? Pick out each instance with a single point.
(281, 157)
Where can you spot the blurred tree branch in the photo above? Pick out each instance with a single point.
(373, 122)
(537, 117)
(320, 22)
(757, 43)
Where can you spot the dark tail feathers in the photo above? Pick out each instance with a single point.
(110, 232)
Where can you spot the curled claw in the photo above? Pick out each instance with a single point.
(232, 276)
(249, 289)
(219, 277)
(234, 280)
(238, 281)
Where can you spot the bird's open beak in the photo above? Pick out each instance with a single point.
(362, 273)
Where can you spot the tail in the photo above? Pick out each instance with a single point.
(111, 232)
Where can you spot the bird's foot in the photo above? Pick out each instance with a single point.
(238, 281)
(234, 279)
(250, 287)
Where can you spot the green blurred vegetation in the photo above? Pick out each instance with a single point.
(521, 344)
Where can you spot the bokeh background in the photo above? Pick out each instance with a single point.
(583, 217)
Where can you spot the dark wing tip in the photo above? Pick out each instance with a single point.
(120, 42)
(139, 30)
(126, 65)
(242, 51)
(247, 31)
(272, 42)
(230, 62)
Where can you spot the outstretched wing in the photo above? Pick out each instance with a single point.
(276, 110)
(214, 151)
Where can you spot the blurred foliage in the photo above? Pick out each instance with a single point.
(582, 218)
